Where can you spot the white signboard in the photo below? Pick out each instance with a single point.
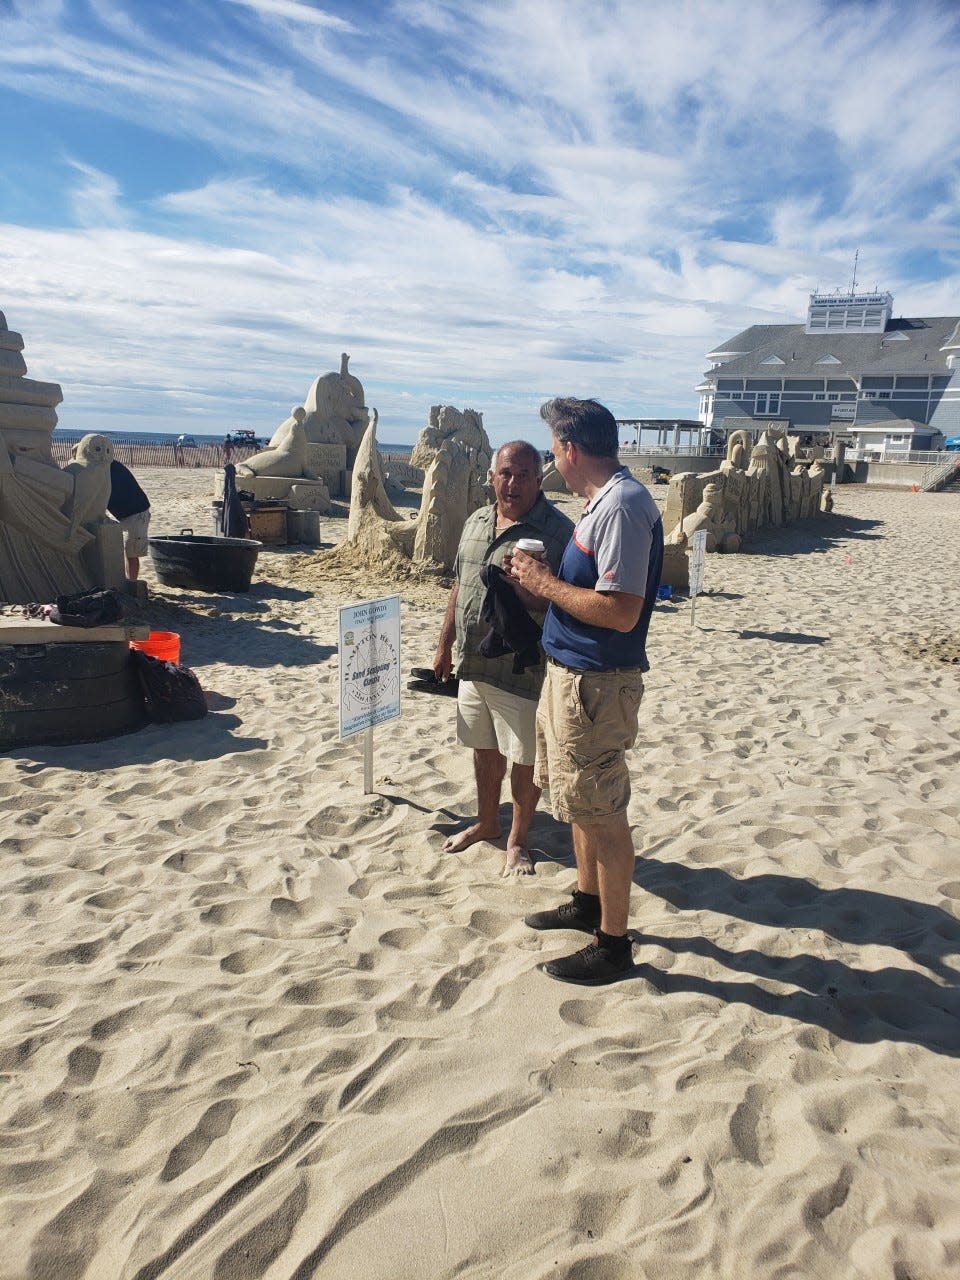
(369, 664)
(698, 556)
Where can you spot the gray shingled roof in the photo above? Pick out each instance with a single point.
(858, 353)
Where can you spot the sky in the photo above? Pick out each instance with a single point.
(486, 204)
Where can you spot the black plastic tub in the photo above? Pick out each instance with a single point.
(190, 560)
(53, 694)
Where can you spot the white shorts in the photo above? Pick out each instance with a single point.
(136, 539)
(490, 719)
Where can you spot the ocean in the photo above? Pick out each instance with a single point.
(169, 438)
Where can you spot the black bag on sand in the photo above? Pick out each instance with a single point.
(88, 609)
(171, 692)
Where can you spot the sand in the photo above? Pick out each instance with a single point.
(257, 1024)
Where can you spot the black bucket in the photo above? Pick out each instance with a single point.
(203, 563)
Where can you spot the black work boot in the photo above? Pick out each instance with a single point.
(582, 912)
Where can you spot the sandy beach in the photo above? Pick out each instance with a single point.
(257, 1024)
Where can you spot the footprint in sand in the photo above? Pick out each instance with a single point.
(108, 900)
(285, 907)
(80, 953)
(83, 1063)
(583, 1013)
(213, 1124)
(401, 939)
(256, 957)
(116, 1022)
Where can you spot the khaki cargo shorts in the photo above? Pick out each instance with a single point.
(586, 721)
(136, 537)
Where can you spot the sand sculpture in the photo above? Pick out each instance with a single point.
(55, 536)
(90, 469)
(738, 499)
(449, 425)
(310, 456)
(457, 453)
(553, 481)
(286, 454)
(335, 410)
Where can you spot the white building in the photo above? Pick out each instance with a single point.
(851, 370)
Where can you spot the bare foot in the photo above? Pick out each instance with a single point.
(464, 839)
(519, 861)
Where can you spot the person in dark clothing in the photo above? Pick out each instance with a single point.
(130, 507)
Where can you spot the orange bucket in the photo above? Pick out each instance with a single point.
(164, 645)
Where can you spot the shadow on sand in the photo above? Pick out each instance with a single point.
(861, 1005)
(817, 534)
(193, 740)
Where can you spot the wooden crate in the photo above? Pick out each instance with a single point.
(269, 525)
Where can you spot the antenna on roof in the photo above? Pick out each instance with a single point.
(853, 282)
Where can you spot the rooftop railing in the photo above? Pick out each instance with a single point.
(676, 451)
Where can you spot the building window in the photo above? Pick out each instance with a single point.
(767, 402)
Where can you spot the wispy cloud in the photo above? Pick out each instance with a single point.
(295, 11)
(484, 204)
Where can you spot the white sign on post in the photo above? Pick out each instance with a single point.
(698, 556)
(369, 671)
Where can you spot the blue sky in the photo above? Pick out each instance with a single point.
(203, 202)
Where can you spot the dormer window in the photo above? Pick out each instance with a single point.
(773, 360)
(828, 359)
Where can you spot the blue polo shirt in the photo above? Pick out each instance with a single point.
(616, 546)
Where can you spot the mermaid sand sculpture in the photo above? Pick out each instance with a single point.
(55, 535)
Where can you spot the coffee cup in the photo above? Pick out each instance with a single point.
(532, 546)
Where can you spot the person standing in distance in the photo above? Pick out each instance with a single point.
(594, 637)
(129, 505)
(496, 708)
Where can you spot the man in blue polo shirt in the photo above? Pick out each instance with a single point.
(594, 637)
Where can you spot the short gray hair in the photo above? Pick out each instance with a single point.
(521, 446)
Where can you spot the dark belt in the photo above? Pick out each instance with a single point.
(591, 671)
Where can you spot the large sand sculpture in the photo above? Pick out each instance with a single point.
(752, 489)
(55, 536)
(456, 453)
(310, 456)
(327, 448)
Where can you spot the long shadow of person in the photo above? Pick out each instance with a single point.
(854, 1003)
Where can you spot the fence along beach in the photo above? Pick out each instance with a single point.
(164, 451)
(257, 1024)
